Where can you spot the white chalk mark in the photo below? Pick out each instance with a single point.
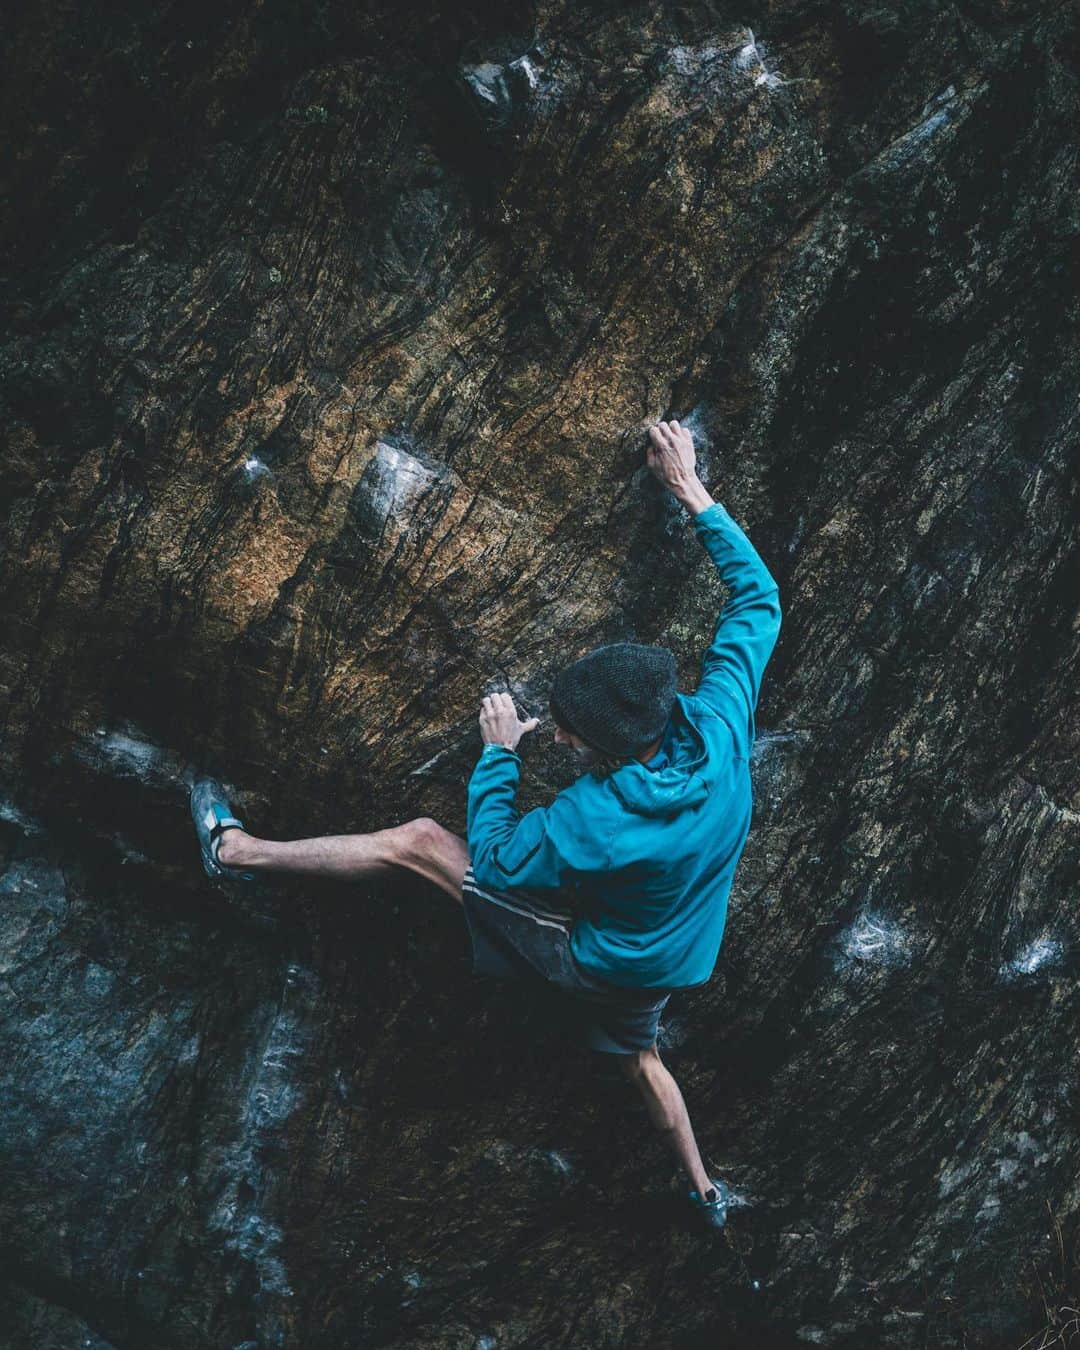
(527, 69)
(748, 55)
(10, 813)
(874, 940)
(397, 480)
(429, 764)
(1044, 952)
(487, 81)
(271, 1098)
(127, 753)
(559, 1162)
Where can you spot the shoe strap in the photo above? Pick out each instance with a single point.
(704, 1200)
(218, 818)
(216, 825)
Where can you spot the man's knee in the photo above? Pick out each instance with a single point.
(638, 1065)
(420, 838)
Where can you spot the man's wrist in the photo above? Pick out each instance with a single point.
(694, 496)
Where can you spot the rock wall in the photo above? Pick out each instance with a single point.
(332, 334)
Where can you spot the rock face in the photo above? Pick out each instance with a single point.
(332, 334)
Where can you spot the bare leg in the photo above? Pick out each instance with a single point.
(667, 1111)
(421, 846)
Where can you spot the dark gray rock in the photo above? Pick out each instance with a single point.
(330, 344)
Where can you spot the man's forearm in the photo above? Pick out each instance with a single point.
(492, 789)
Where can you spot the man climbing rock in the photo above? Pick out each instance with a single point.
(615, 894)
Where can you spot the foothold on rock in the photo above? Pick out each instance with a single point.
(526, 67)
(501, 91)
(254, 468)
(251, 474)
(391, 487)
(127, 753)
(748, 54)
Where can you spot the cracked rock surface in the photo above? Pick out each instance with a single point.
(330, 339)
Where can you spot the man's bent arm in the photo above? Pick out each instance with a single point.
(539, 850)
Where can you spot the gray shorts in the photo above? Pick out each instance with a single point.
(520, 934)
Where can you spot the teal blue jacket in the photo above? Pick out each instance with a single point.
(647, 854)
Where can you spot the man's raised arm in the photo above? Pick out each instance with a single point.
(749, 623)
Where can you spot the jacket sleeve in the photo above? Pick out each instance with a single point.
(746, 631)
(547, 848)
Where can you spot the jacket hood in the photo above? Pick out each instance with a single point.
(677, 776)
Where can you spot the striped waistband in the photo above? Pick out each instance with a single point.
(542, 908)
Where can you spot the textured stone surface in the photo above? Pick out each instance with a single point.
(331, 338)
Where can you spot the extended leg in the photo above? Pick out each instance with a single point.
(421, 846)
(667, 1111)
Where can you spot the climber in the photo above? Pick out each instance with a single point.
(615, 894)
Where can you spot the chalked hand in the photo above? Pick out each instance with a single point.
(500, 724)
(670, 455)
(671, 460)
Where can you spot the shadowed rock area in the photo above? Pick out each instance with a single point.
(331, 335)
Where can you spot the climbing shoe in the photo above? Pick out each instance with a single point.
(212, 814)
(711, 1209)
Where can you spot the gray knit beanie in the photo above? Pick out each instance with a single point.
(617, 698)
